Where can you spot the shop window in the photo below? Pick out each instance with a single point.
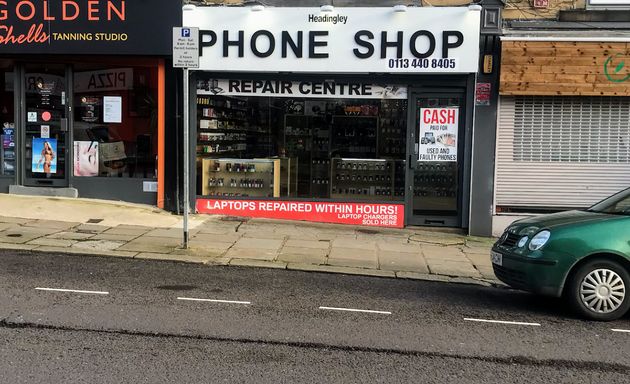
(7, 120)
(253, 146)
(115, 121)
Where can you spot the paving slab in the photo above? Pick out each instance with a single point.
(258, 254)
(91, 228)
(209, 238)
(25, 247)
(400, 247)
(487, 272)
(21, 237)
(304, 259)
(452, 268)
(263, 235)
(353, 244)
(14, 220)
(172, 257)
(98, 245)
(126, 231)
(257, 263)
(52, 224)
(422, 276)
(52, 242)
(113, 237)
(437, 239)
(477, 250)
(340, 269)
(479, 260)
(152, 245)
(4, 226)
(174, 233)
(200, 252)
(394, 261)
(396, 239)
(210, 245)
(304, 251)
(70, 235)
(258, 243)
(308, 244)
(365, 262)
(310, 237)
(444, 253)
(84, 252)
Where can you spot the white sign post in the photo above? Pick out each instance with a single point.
(438, 134)
(186, 55)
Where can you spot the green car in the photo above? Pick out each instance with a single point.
(583, 256)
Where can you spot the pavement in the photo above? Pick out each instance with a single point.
(106, 228)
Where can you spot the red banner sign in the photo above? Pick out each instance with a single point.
(376, 215)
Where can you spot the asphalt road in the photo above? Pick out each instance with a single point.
(148, 321)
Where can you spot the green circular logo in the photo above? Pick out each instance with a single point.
(617, 69)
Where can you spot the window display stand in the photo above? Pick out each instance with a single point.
(363, 179)
(249, 177)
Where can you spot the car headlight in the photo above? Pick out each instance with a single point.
(522, 241)
(539, 240)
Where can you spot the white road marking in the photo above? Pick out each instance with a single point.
(215, 301)
(355, 310)
(621, 330)
(502, 322)
(72, 290)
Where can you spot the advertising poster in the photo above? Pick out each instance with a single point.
(7, 138)
(86, 158)
(438, 134)
(375, 215)
(112, 109)
(482, 94)
(44, 155)
(89, 109)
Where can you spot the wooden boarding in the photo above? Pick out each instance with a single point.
(565, 68)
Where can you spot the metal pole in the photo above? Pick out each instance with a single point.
(186, 155)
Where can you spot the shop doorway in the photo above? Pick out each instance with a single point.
(45, 121)
(435, 152)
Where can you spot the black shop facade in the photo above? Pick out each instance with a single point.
(83, 101)
(352, 115)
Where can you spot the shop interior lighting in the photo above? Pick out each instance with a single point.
(189, 7)
(400, 8)
(258, 8)
(474, 7)
(326, 8)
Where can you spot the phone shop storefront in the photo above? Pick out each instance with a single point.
(353, 116)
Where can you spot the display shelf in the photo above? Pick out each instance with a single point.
(363, 179)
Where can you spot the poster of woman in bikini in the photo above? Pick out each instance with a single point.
(44, 155)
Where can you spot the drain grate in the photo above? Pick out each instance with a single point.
(94, 221)
(14, 235)
(235, 218)
(368, 231)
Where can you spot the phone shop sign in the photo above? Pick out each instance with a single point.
(438, 134)
(369, 40)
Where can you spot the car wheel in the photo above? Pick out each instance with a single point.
(599, 290)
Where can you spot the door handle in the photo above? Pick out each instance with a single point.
(64, 125)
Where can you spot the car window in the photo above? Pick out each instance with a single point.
(617, 204)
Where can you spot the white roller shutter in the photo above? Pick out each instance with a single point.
(561, 151)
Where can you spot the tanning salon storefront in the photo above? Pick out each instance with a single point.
(82, 98)
(352, 115)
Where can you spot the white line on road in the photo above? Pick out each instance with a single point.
(502, 322)
(215, 301)
(72, 290)
(621, 330)
(356, 310)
